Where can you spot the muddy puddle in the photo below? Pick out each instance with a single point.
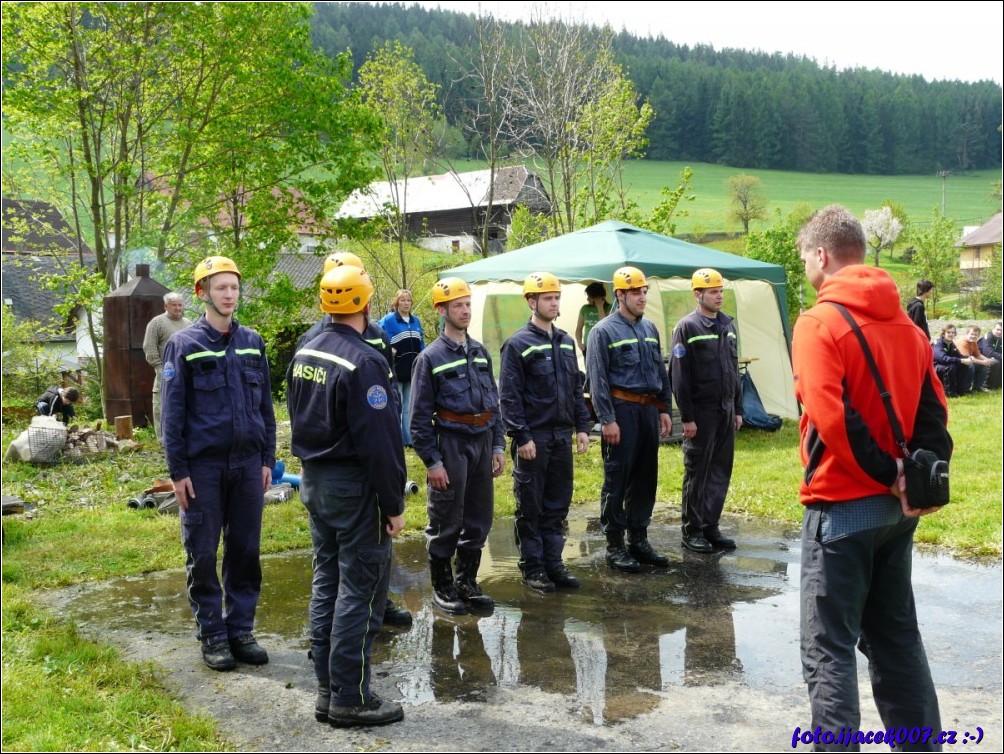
(703, 621)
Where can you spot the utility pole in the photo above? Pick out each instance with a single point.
(943, 174)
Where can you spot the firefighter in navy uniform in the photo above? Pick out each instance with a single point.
(345, 430)
(705, 376)
(540, 393)
(629, 388)
(374, 335)
(456, 431)
(219, 440)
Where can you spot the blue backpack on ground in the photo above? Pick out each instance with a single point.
(755, 416)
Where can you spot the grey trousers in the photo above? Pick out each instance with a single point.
(857, 591)
(351, 569)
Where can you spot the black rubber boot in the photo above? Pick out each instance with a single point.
(444, 591)
(618, 558)
(642, 550)
(468, 563)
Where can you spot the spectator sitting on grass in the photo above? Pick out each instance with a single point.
(948, 362)
(990, 346)
(975, 375)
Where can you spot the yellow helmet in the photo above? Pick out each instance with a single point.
(345, 290)
(541, 282)
(211, 266)
(627, 278)
(338, 258)
(706, 278)
(448, 289)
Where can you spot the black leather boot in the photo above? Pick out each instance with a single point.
(562, 579)
(718, 540)
(444, 591)
(642, 550)
(393, 615)
(217, 654)
(618, 557)
(323, 701)
(468, 563)
(696, 542)
(538, 581)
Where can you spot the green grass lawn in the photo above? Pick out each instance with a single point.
(82, 531)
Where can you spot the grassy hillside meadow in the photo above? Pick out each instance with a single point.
(968, 199)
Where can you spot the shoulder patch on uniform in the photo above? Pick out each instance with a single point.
(168, 372)
(376, 396)
(679, 350)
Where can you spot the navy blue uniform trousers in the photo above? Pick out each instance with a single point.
(461, 516)
(543, 491)
(630, 469)
(227, 500)
(351, 570)
(707, 468)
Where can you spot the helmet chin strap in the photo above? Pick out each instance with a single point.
(212, 305)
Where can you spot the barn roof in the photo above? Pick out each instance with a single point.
(441, 193)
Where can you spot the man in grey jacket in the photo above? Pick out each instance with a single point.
(158, 331)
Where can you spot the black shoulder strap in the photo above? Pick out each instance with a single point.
(897, 429)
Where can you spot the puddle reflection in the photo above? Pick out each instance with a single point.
(608, 647)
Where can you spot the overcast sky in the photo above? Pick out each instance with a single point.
(958, 40)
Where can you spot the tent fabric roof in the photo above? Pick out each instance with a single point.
(594, 253)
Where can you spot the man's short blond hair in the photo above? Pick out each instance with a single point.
(838, 231)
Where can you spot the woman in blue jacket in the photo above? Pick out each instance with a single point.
(406, 338)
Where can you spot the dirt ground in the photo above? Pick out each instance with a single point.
(271, 709)
(526, 695)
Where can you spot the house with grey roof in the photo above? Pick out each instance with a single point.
(38, 245)
(977, 248)
(447, 212)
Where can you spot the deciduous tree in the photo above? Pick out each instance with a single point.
(662, 218)
(778, 244)
(486, 118)
(612, 129)
(397, 92)
(181, 127)
(882, 228)
(935, 257)
(558, 69)
(746, 200)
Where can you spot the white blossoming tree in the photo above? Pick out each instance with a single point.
(882, 228)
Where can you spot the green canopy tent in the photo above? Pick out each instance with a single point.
(755, 294)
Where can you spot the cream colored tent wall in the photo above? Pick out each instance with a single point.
(761, 335)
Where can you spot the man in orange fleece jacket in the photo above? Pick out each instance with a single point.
(858, 525)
